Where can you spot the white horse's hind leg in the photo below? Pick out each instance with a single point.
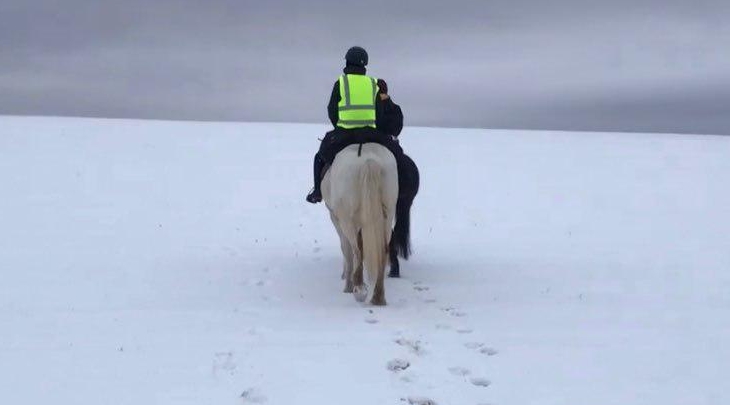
(349, 258)
(351, 238)
(379, 289)
(360, 289)
(347, 253)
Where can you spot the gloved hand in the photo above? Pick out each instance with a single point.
(383, 86)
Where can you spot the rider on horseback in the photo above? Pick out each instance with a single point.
(361, 111)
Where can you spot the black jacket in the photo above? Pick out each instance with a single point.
(388, 115)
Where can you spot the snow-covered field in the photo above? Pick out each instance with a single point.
(177, 263)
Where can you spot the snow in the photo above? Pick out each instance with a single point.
(152, 262)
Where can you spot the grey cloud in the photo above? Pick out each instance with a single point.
(581, 65)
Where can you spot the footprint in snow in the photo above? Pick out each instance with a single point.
(256, 282)
(459, 371)
(464, 331)
(421, 401)
(488, 351)
(414, 345)
(453, 311)
(252, 396)
(481, 347)
(480, 382)
(371, 321)
(397, 365)
(224, 362)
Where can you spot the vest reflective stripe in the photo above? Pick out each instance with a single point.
(355, 123)
(356, 108)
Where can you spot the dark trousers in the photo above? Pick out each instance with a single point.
(336, 140)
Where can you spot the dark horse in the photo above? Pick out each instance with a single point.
(400, 241)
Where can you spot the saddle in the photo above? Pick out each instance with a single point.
(340, 138)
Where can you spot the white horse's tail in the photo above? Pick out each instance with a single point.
(373, 219)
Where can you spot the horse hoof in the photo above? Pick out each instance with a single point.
(394, 274)
(360, 293)
(379, 302)
(348, 289)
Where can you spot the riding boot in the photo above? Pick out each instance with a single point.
(315, 195)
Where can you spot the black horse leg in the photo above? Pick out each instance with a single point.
(394, 264)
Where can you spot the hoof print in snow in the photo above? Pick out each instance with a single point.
(464, 331)
(488, 351)
(429, 300)
(397, 365)
(224, 362)
(414, 345)
(481, 382)
(421, 401)
(252, 396)
(371, 321)
(420, 288)
(256, 282)
(442, 326)
(459, 371)
(453, 311)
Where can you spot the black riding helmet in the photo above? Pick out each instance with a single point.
(356, 56)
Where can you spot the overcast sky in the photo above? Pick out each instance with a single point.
(618, 65)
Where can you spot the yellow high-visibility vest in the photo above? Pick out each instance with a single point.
(356, 108)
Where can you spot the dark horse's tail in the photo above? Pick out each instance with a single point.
(409, 183)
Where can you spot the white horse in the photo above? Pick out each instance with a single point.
(360, 190)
